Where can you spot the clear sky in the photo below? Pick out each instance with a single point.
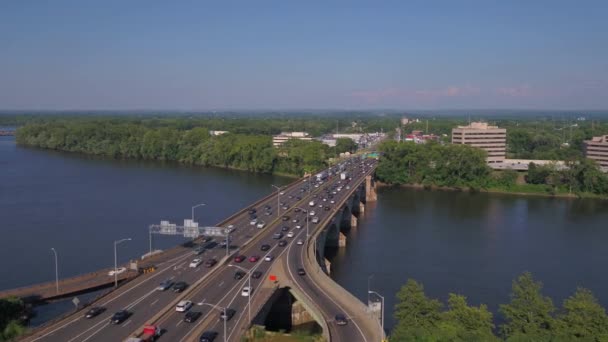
(204, 55)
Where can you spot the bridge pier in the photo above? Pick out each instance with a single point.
(370, 189)
(353, 220)
(327, 266)
(299, 315)
(361, 208)
(342, 240)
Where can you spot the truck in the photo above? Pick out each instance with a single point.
(321, 176)
(150, 333)
(343, 175)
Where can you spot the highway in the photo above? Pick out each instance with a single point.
(140, 296)
(224, 291)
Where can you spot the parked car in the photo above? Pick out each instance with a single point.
(94, 311)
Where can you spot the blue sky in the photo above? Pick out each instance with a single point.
(203, 55)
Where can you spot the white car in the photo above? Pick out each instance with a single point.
(290, 234)
(312, 213)
(117, 271)
(196, 262)
(268, 258)
(231, 228)
(183, 306)
(300, 242)
(253, 222)
(298, 226)
(246, 291)
(261, 224)
(332, 202)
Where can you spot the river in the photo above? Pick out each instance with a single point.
(472, 244)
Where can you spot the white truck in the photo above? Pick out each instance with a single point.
(343, 176)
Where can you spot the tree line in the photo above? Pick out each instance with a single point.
(465, 166)
(195, 146)
(529, 316)
(10, 323)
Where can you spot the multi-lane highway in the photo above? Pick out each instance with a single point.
(213, 288)
(224, 291)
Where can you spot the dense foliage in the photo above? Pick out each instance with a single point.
(464, 166)
(192, 146)
(529, 316)
(10, 310)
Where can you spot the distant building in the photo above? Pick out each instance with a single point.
(217, 132)
(405, 121)
(419, 138)
(597, 149)
(479, 134)
(280, 139)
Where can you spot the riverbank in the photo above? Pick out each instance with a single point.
(516, 190)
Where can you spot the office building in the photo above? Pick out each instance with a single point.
(479, 134)
(597, 149)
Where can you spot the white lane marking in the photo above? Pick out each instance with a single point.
(220, 284)
(127, 323)
(154, 302)
(94, 333)
(178, 323)
(172, 278)
(59, 328)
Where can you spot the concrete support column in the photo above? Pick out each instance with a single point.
(299, 314)
(370, 189)
(353, 221)
(361, 208)
(342, 240)
(327, 266)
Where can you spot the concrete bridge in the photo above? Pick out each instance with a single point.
(313, 297)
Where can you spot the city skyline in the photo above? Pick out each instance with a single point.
(356, 55)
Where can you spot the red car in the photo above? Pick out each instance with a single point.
(254, 258)
(240, 258)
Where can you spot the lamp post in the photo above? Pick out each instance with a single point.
(307, 219)
(220, 309)
(116, 260)
(56, 271)
(196, 206)
(382, 320)
(248, 272)
(278, 199)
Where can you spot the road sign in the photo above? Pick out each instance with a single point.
(76, 301)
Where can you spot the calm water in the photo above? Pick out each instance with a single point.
(473, 244)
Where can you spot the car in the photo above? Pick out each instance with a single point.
(264, 247)
(206, 239)
(117, 271)
(284, 228)
(300, 242)
(253, 216)
(277, 236)
(267, 207)
(295, 220)
(301, 271)
(298, 226)
(285, 218)
(312, 213)
(183, 306)
(261, 224)
(180, 286)
(285, 207)
(196, 262)
(282, 243)
(324, 199)
(298, 198)
(246, 291)
(282, 193)
(252, 210)
(332, 201)
(253, 222)
(210, 263)
(320, 205)
(341, 319)
(256, 274)
(208, 336)
(268, 258)
(240, 258)
(239, 275)
(120, 316)
(198, 250)
(326, 208)
(315, 219)
(348, 187)
(268, 213)
(297, 210)
(165, 285)
(290, 234)
(94, 311)
(230, 228)
(227, 315)
(254, 258)
(192, 316)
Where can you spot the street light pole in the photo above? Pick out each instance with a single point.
(56, 271)
(278, 200)
(382, 320)
(116, 260)
(196, 206)
(220, 309)
(249, 284)
(306, 219)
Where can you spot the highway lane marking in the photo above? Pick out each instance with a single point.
(127, 323)
(91, 335)
(220, 284)
(154, 302)
(172, 278)
(59, 328)
(178, 323)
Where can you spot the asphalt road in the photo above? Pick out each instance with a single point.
(140, 296)
(223, 291)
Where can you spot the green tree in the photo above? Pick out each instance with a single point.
(528, 315)
(345, 145)
(417, 315)
(583, 318)
(466, 323)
